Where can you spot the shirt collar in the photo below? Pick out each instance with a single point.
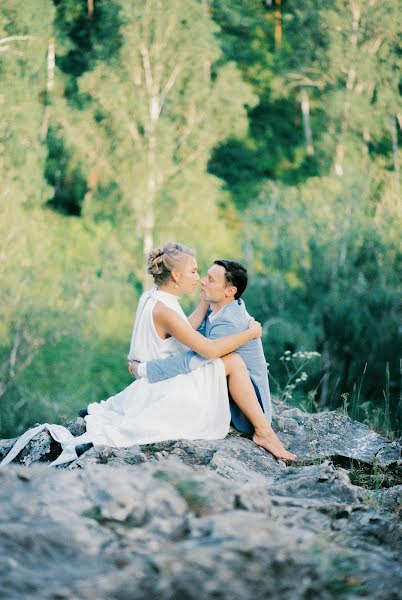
(212, 316)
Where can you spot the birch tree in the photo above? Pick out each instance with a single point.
(25, 30)
(164, 104)
(365, 71)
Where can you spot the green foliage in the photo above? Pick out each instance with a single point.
(85, 38)
(65, 302)
(273, 138)
(329, 280)
(24, 33)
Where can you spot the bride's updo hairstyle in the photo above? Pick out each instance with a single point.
(161, 261)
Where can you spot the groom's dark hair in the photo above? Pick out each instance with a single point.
(235, 274)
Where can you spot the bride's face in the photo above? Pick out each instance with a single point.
(188, 276)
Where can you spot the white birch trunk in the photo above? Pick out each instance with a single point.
(157, 92)
(305, 106)
(340, 149)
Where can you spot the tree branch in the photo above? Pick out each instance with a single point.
(168, 86)
(146, 63)
(304, 81)
(16, 38)
(133, 129)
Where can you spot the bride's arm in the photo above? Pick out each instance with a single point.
(198, 315)
(176, 326)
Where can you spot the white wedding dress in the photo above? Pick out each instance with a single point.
(190, 406)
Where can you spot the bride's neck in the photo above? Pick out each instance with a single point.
(169, 288)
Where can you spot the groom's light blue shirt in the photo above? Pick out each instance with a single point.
(232, 318)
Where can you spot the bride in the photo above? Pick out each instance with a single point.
(189, 406)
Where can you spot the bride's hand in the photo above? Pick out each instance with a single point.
(255, 328)
(133, 368)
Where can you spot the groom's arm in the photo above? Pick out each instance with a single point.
(165, 368)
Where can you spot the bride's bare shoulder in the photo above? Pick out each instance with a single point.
(163, 312)
(164, 319)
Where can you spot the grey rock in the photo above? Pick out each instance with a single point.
(207, 519)
(388, 500)
(317, 482)
(242, 460)
(246, 555)
(388, 455)
(197, 452)
(331, 434)
(76, 426)
(206, 492)
(5, 446)
(42, 448)
(111, 457)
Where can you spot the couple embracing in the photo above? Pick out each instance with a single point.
(194, 375)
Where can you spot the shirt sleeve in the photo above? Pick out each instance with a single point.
(157, 370)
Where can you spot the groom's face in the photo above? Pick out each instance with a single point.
(214, 287)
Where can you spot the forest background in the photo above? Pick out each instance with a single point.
(265, 131)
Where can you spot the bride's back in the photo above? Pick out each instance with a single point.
(145, 341)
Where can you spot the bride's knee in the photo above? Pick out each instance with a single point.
(232, 361)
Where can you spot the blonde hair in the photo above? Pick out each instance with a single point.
(161, 261)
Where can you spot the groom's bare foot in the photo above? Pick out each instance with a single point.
(270, 441)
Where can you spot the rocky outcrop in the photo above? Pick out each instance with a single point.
(207, 519)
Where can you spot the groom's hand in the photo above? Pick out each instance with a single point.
(255, 327)
(133, 368)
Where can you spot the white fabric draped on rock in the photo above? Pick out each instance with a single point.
(59, 433)
(190, 406)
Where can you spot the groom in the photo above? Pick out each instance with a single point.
(222, 288)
